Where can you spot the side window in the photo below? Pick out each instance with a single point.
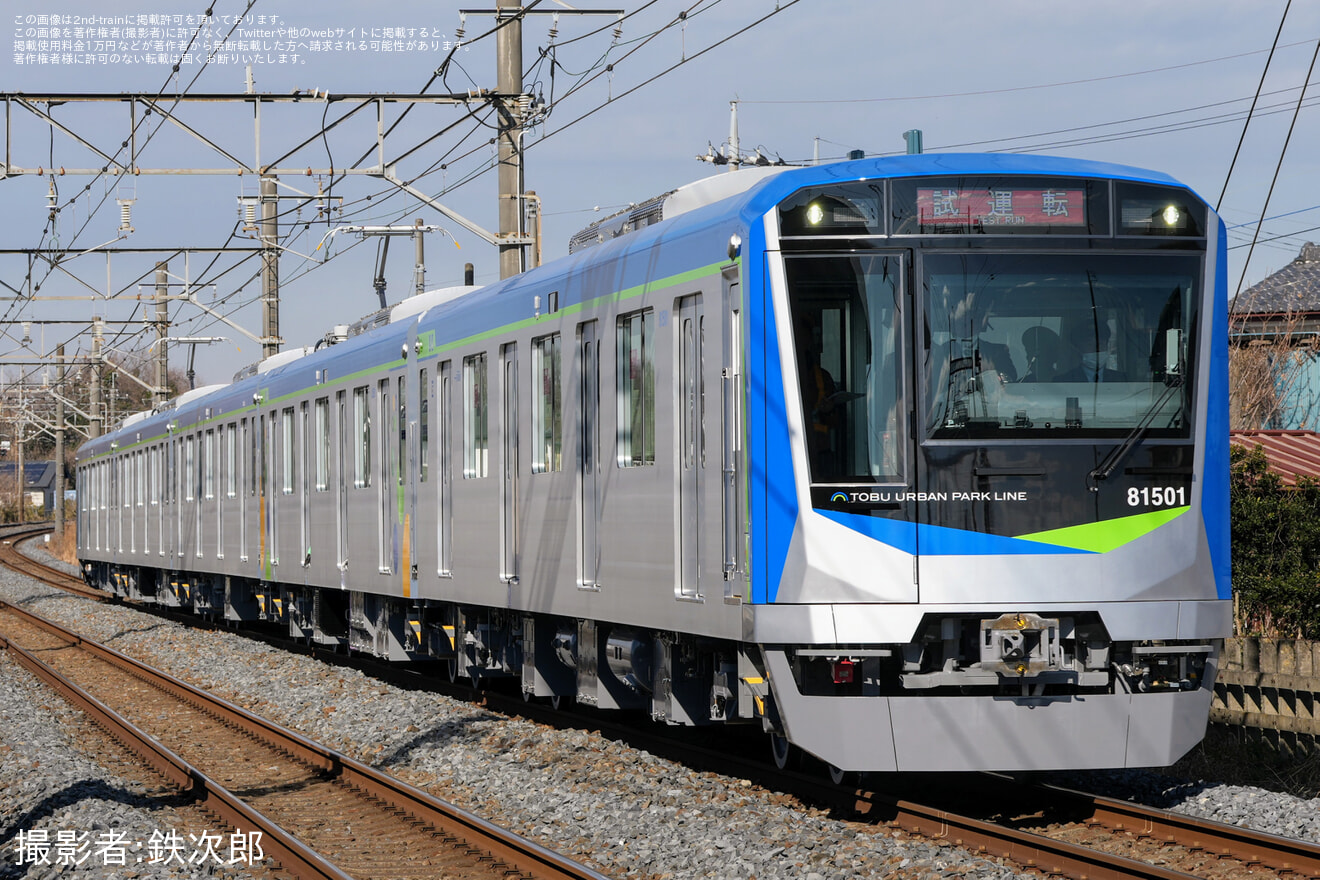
(230, 463)
(209, 452)
(322, 444)
(253, 441)
(362, 432)
(384, 413)
(402, 400)
(286, 450)
(423, 426)
(635, 388)
(847, 321)
(189, 467)
(547, 430)
(476, 442)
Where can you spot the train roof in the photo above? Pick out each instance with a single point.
(695, 221)
(777, 183)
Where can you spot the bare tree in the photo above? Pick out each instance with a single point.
(1269, 359)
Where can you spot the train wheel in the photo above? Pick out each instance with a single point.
(784, 753)
(840, 777)
(560, 701)
(451, 669)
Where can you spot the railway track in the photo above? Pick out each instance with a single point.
(13, 558)
(1050, 830)
(1055, 831)
(1068, 833)
(318, 812)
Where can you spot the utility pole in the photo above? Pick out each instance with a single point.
(97, 420)
(160, 392)
(420, 270)
(22, 482)
(735, 156)
(512, 106)
(270, 267)
(59, 442)
(509, 84)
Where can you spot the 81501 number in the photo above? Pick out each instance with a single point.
(1157, 496)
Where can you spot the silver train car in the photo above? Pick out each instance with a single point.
(920, 463)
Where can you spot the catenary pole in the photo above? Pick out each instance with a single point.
(508, 51)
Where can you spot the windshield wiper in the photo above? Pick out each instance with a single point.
(1118, 453)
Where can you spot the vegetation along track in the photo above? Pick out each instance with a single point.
(321, 814)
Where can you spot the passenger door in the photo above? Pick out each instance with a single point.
(690, 452)
(588, 454)
(509, 474)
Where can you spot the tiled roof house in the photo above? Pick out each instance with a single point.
(1292, 455)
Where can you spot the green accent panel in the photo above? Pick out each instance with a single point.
(1110, 534)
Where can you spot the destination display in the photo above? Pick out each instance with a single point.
(1001, 206)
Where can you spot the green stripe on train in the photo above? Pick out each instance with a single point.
(1110, 534)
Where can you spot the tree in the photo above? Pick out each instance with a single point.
(1276, 550)
(1268, 362)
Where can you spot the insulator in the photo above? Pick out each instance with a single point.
(125, 214)
(250, 214)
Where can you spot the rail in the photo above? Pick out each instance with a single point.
(516, 854)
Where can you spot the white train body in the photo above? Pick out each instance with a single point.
(781, 448)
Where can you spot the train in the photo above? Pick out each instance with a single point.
(919, 463)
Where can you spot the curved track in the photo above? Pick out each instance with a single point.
(13, 558)
(1051, 830)
(320, 813)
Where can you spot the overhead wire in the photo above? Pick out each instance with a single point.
(160, 94)
(333, 179)
(1247, 123)
(1283, 151)
(202, 280)
(449, 157)
(1011, 89)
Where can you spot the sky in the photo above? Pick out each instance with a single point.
(1164, 86)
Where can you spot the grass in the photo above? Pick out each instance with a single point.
(1236, 756)
(65, 549)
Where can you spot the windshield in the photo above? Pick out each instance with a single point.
(1066, 345)
(847, 332)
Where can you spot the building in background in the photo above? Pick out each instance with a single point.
(38, 484)
(1274, 359)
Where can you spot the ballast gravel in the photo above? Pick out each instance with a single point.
(62, 814)
(623, 811)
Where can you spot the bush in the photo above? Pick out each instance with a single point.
(1276, 550)
(66, 549)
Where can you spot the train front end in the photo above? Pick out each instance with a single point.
(990, 524)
